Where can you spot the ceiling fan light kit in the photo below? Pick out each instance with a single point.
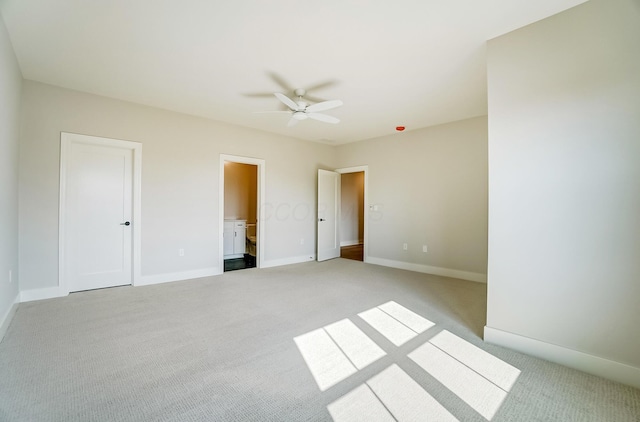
(301, 110)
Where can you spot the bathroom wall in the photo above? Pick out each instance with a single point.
(240, 191)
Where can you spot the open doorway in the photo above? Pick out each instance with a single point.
(330, 223)
(352, 215)
(241, 181)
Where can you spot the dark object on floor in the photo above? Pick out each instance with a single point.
(240, 263)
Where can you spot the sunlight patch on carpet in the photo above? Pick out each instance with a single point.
(495, 370)
(390, 395)
(469, 372)
(397, 323)
(359, 348)
(359, 405)
(336, 351)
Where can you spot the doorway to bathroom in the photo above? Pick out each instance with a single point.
(241, 192)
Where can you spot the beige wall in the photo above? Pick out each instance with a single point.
(180, 181)
(564, 172)
(240, 193)
(10, 87)
(430, 186)
(180, 170)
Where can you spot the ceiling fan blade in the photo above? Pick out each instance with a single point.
(322, 85)
(258, 94)
(325, 105)
(286, 101)
(317, 87)
(281, 82)
(323, 118)
(314, 99)
(272, 111)
(292, 122)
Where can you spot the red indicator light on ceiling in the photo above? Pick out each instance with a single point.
(399, 128)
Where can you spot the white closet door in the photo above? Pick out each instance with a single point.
(98, 224)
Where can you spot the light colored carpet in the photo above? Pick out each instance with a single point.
(222, 349)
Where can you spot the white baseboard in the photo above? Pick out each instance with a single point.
(40, 294)
(147, 280)
(445, 272)
(53, 292)
(595, 365)
(349, 243)
(8, 316)
(288, 261)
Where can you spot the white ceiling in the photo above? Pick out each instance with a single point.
(415, 63)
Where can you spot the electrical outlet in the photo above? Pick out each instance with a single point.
(424, 248)
(180, 252)
(10, 276)
(405, 246)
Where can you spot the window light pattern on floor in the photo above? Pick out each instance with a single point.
(389, 396)
(337, 351)
(397, 323)
(478, 378)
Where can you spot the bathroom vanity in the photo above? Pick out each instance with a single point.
(234, 234)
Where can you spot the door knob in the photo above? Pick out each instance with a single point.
(126, 223)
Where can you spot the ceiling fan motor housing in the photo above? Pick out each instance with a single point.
(302, 110)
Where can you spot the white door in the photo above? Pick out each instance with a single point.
(98, 217)
(328, 215)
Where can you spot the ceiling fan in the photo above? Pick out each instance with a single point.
(301, 110)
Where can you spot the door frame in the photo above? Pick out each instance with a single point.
(261, 199)
(66, 142)
(365, 170)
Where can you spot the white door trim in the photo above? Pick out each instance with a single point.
(260, 241)
(66, 141)
(364, 169)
